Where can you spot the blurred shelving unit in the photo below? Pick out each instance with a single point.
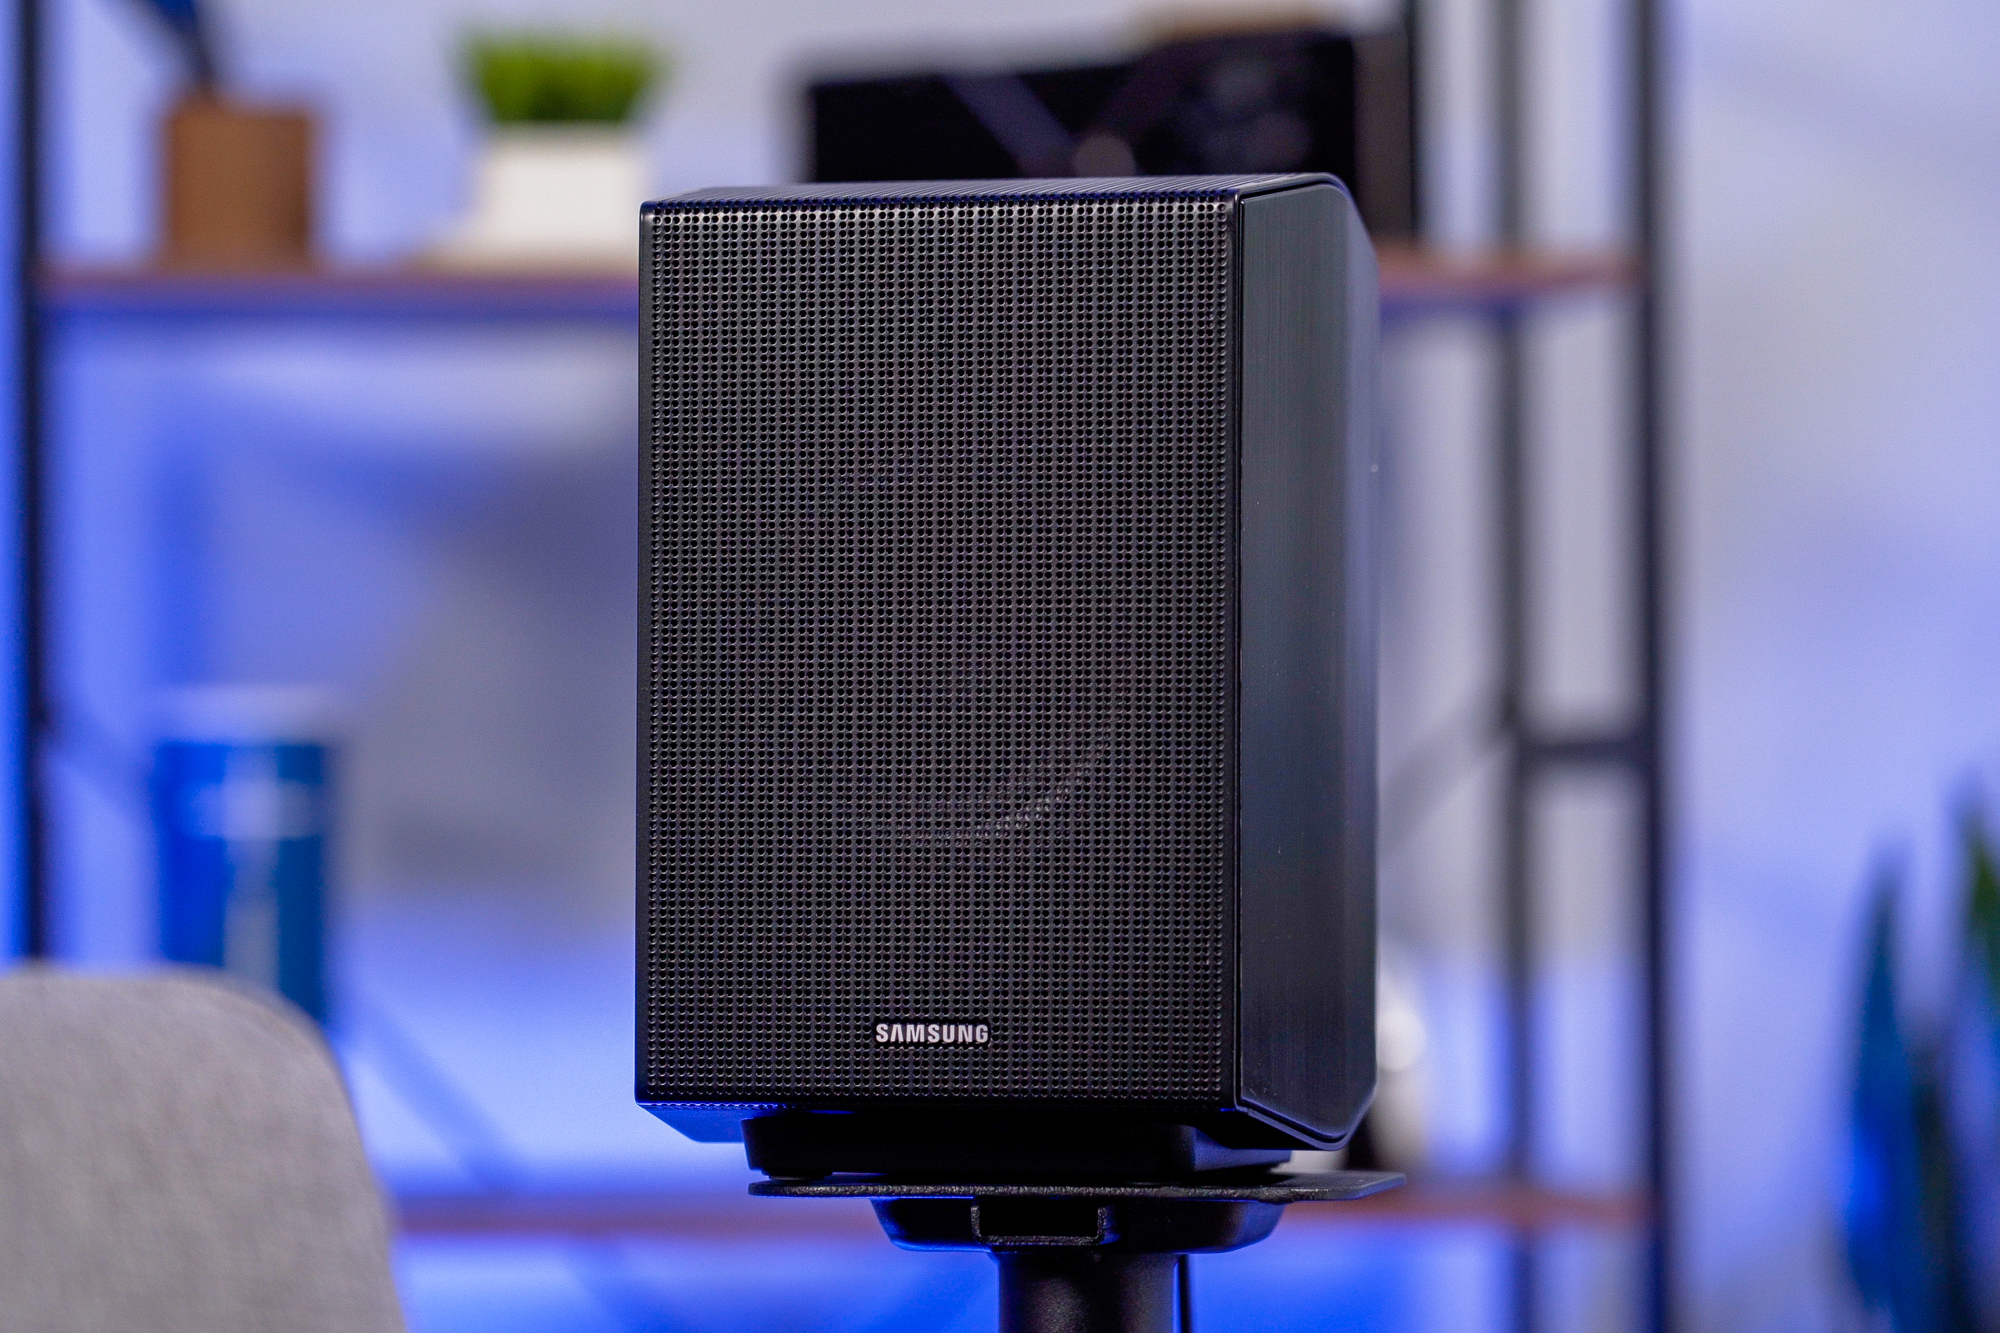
(1632, 748)
(1414, 283)
(1505, 288)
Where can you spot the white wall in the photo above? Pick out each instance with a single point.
(1839, 596)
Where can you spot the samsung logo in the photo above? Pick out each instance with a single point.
(931, 1034)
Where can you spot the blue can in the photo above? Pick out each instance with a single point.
(242, 805)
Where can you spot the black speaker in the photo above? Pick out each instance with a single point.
(1007, 673)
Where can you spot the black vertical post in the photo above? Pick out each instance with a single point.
(1517, 892)
(1415, 30)
(1517, 880)
(31, 632)
(1085, 1290)
(1517, 873)
(1649, 449)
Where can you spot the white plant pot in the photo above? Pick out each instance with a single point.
(563, 196)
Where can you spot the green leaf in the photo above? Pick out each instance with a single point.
(1982, 904)
(531, 78)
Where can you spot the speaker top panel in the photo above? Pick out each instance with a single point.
(1053, 188)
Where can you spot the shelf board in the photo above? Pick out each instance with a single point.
(1419, 282)
(710, 1216)
(662, 1216)
(1414, 283)
(378, 293)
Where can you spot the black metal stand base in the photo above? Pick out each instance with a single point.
(1089, 1258)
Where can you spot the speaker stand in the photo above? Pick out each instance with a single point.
(1089, 1258)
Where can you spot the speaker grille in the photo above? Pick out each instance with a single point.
(937, 648)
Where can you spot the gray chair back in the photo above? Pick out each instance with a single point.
(179, 1157)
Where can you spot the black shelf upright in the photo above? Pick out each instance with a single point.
(1512, 574)
(1650, 427)
(31, 607)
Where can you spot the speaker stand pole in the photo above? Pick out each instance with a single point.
(1088, 1258)
(1086, 1291)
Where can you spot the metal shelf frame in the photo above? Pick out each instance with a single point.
(1638, 748)
(30, 491)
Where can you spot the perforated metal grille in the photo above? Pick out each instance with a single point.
(936, 654)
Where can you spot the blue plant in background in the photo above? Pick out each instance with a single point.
(1982, 925)
(184, 22)
(1884, 1203)
(1905, 1247)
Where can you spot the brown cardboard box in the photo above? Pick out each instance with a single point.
(238, 186)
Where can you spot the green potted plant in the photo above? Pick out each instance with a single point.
(560, 174)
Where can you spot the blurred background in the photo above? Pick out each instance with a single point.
(325, 389)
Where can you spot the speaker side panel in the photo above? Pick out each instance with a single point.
(1306, 853)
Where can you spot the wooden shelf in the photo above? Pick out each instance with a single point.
(376, 293)
(693, 1216)
(708, 1216)
(1414, 284)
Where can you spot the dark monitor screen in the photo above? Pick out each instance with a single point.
(1252, 103)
